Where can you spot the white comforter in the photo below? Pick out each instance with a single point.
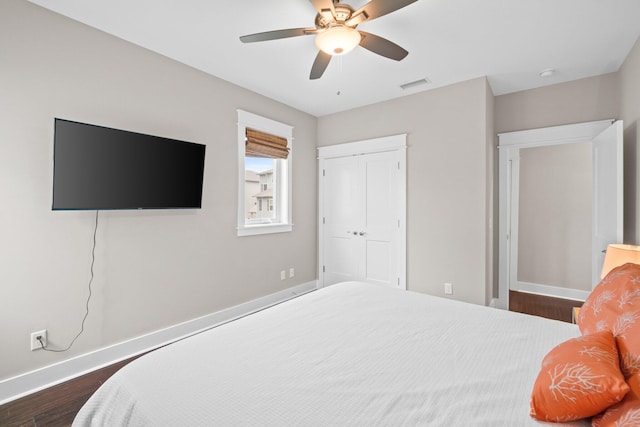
(351, 354)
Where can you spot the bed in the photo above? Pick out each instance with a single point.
(352, 354)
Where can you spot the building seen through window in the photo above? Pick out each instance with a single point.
(259, 190)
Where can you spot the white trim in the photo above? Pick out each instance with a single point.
(284, 192)
(402, 202)
(252, 230)
(495, 303)
(264, 124)
(601, 239)
(509, 144)
(385, 143)
(554, 135)
(551, 291)
(48, 376)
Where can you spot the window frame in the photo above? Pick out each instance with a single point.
(283, 197)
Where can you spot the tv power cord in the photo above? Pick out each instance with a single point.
(86, 314)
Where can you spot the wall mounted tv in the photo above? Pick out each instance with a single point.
(96, 167)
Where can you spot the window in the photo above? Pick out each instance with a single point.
(264, 178)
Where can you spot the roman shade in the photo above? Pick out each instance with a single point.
(261, 144)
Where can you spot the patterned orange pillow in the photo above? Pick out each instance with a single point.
(614, 305)
(579, 378)
(625, 413)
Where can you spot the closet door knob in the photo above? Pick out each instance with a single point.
(362, 233)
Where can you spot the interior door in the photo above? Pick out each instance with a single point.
(380, 218)
(607, 149)
(362, 200)
(342, 214)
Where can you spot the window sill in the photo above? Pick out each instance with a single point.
(252, 230)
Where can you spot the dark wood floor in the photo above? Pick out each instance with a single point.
(58, 405)
(544, 306)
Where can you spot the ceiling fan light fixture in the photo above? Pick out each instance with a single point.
(338, 40)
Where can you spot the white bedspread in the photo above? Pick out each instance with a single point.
(348, 355)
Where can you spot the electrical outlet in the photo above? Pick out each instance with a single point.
(448, 289)
(291, 273)
(283, 275)
(35, 343)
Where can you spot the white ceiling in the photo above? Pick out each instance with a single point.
(449, 41)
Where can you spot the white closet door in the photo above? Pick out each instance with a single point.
(381, 218)
(362, 204)
(342, 213)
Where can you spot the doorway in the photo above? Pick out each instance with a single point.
(517, 270)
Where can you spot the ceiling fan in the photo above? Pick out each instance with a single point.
(336, 34)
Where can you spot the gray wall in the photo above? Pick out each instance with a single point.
(448, 174)
(594, 98)
(630, 113)
(615, 95)
(554, 238)
(153, 268)
(584, 100)
(610, 96)
(491, 199)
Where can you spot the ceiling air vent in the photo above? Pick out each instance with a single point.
(416, 83)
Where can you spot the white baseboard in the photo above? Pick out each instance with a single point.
(551, 291)
(546, 290)
(31, 382)
(499, 303)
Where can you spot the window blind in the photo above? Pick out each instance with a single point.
(261, 144)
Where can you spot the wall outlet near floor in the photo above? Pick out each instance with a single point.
(35, 343)
(291, 272)
(283, 275)
(448, 289)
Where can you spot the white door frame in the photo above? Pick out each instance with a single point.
(608, 206)
(369, 146)
(509, 146)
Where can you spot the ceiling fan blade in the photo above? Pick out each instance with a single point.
(319, 65)
(277, 34)
(382, 46)
(325, 8)
(375, 9)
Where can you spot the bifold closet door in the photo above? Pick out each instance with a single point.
(361, 201)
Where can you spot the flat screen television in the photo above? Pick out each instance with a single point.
(96, 167)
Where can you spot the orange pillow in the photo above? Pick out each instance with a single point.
(614, 305)
(579, 378)
(625, 413)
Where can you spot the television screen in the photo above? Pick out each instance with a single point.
(96, 167)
